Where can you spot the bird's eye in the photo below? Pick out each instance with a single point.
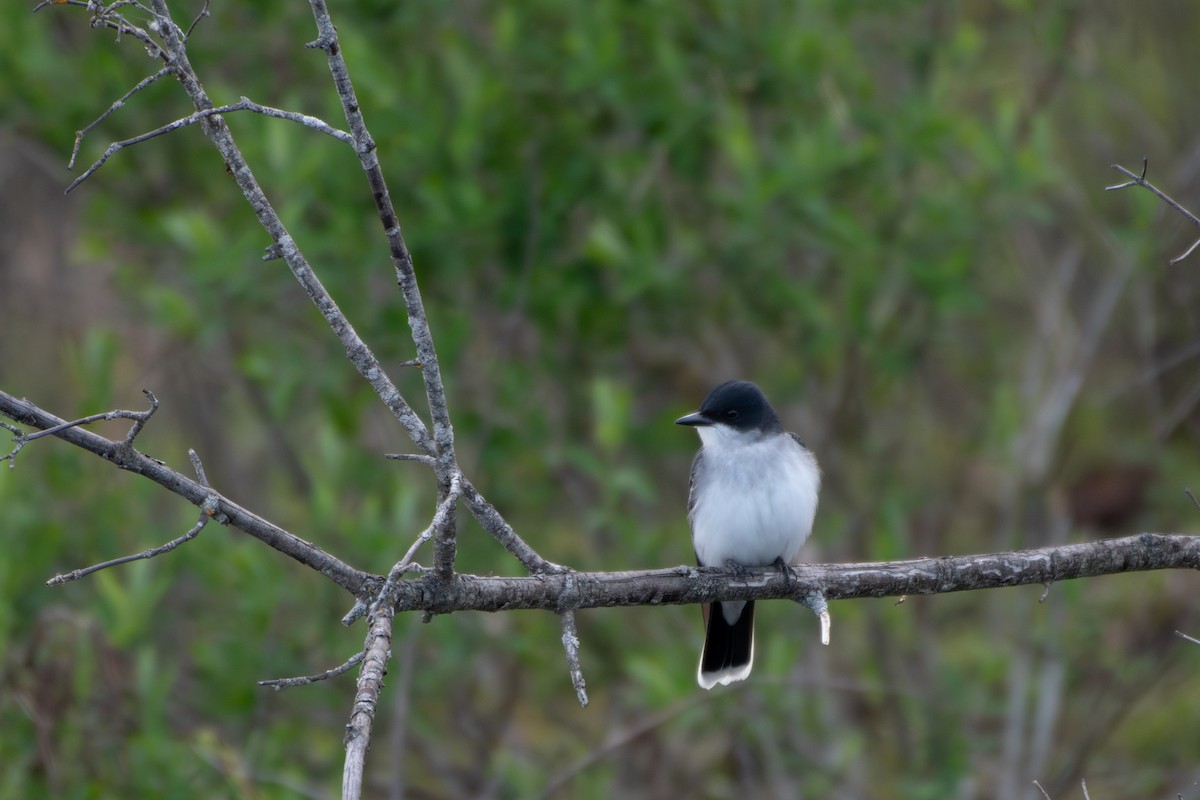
(732, 414)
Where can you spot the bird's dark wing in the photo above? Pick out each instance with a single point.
(796, 438)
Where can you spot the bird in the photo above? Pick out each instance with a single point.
(752, 500)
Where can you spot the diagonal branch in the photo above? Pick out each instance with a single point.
(116, 106)
(245, 104)
(445, 543)
(1140, 180)
(209, 509)
(125, 457)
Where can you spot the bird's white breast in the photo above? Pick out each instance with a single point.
(755, 498)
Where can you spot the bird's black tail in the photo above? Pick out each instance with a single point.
(728, 648)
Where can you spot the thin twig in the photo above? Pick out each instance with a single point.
(428, 461)
(209, 509)
(1183, 635)
(357, 612)
(402, 262)
(203, 13)
(816, 603)
(1140, 180)
(494, 523)
(74, 575)
(445, 508)
(305, 680)
(19, 442)
(245, 104)
(1045, 794)
(123, 456)
(139, 417)
(284, 246)
(107, 16)
(142, 84)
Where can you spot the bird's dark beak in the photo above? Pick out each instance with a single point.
(694, 420)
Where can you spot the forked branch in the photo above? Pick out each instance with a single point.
(1136, 179)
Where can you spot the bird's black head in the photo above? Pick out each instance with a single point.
(739, 404)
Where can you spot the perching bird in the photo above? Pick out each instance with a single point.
(751, 503)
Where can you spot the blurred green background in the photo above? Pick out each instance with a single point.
(889, 214)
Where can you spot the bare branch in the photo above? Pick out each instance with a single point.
(364, 146)
(203, 13)
(1191, 249)
(570, 641)
(142, 84)
(305, 680)
(206, 513)
(491, 520)
(815, 602)
(107, 17)
(370, 685)
(1195, 502)
(1140, 180)
(125, 457)
(245, 104)
(440, 517)
(209, 509)
(428, 461)
(283, 246)
(922, 576)
(139, 417)
(545, 589)
(1183, 635)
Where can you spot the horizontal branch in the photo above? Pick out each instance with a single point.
(564, 590)
(681, 585)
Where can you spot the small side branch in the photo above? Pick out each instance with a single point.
(387, 594)
(570, 641)
(444, 528)
(816, 603)
(1184, 636)
(116, 106)
(125, 457)
(492, 522)
(1140, 180)
(305, 680)
(209, 509)
(140, 418)
(244, 104)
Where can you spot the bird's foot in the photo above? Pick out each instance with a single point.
(739, 570)
(784, 569)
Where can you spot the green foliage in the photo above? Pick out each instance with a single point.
(869, 208)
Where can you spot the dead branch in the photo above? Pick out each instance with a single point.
(1136, 179)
